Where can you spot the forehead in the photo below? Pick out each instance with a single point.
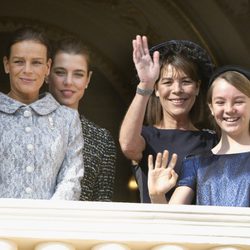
(222, 88)
(28, 48)
(28, 44)
(70, 61)
(169, 71)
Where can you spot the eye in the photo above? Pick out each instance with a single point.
(219, 102)
(79, 75)
(187, 81)
(18, 62)
(168, 82)
(60, 72)
(37, 63)
(239, 102)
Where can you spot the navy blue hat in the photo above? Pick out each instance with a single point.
(227, 68)
(189, 50)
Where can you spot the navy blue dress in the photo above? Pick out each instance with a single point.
(176, 141)
(219, 180)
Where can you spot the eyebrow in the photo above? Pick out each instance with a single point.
(62, 68)
(21, 57)
(171, 78)
(236, 97)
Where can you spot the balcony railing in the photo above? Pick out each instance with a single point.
(67, 225)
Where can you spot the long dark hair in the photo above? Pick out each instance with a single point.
(190, 58)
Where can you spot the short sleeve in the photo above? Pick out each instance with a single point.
(188, 173)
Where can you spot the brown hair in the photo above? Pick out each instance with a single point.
(154, 112)
(236, 79)
(71, 45)
(28, 34)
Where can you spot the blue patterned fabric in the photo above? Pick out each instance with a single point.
(219, 180)
(40, 150)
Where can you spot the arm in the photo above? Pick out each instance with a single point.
(131, 141)
(71, 171)
(182, 195)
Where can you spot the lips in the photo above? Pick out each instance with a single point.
(231, 119)
(178, 101)
(67, 92)
(27, 80)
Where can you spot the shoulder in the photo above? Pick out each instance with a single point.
(95, 131)
(208, 131)
(198, 156)
(47, 104)
(150, 130)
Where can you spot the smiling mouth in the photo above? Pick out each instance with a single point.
(27, 80)
(231, 119)
(178, 101)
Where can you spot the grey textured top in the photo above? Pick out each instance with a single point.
(99, 162)
(40, 150)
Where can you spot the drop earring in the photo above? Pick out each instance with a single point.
(46, 79)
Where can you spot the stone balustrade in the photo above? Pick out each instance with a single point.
(75, 225)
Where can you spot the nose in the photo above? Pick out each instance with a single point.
(229, 108)
(68, 80)
(177, 87)
(27, 67)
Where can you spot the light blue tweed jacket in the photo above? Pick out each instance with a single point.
(40, 150)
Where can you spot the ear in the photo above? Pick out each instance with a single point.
(48, 64)
(156, 91)
(198, 88)
(211, 109)
(89, 77)
(6, 65)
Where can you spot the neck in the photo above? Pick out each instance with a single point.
(27, 99)
(74, 106)
(173, 123)
(232, 144)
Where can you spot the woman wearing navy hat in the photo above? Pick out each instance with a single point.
(170, 99)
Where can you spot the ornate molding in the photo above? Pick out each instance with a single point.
(86, 225)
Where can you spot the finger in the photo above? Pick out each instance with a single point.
(134, 44)
(150, 162)
(173, 161)
(156, 58)
(145, 45)
(165, 158)
(158, 160)
(174, 176)
(136, 51)
(139, 44)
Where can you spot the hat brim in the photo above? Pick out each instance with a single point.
(227, 68)
(189, 50)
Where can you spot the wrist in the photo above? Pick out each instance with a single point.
(144, 91)
(158, 198)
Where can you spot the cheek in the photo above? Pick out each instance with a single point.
(56, 81)
(193, 91)
(163, 91)
(218, 114)
(81, 85)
